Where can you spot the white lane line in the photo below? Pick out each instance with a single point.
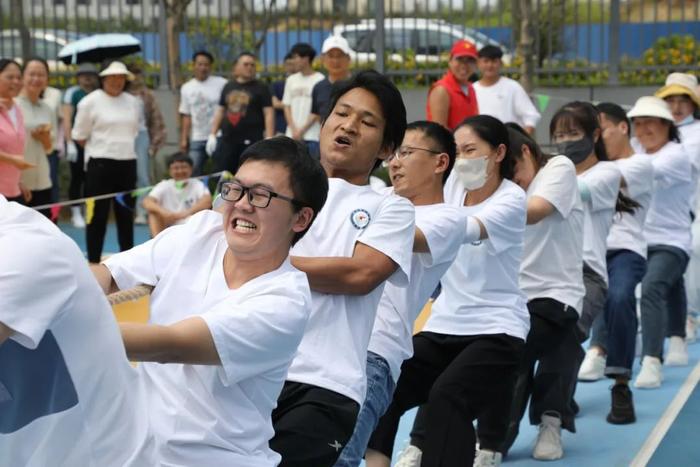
(666, 420)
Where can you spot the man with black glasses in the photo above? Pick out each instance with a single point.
(228, 310)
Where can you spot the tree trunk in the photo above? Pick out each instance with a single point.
(172, 25)
(527, 69)
(17, 12)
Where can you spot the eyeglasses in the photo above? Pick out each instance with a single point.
(403, 152)
(257, 196)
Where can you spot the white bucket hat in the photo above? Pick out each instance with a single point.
(117, 68)
(680, 83)
(651, 106)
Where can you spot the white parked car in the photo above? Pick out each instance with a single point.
(430, 39)
(44, 44)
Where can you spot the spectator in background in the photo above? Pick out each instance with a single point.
(500, 96)
(198, 100)
(40, 126)
(52, 97)
(336, 60)
(106, 125)
(174, 200)
(151, 134)
(453, 99)
(11, 133)
(244, 115)
(277, 91)
(88, 81)
(302, 125)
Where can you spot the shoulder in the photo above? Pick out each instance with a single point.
(510, 190)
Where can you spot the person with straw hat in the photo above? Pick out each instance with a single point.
(667, 232)
(106, 125)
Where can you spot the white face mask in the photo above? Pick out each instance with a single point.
(472, 172)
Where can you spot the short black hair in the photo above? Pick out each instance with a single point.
(288, 56)
(518, 137)
(180, 157)
(442, 137)
(244, 54)
(491, 51)
(389, 97)
(307, 178)
(203, 53)
(615, 114)
(303, 49)
(5, 62)
(495, 133)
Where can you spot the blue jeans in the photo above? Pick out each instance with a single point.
(663, 305)
(314, 148)
(143, 165)
(199, 156)
(616, 329)
(380, 389)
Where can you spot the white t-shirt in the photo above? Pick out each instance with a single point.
(199, 100)
(392, 337)
(178, 196)
(68, 395)
(297, 95)
(109, 124)
(627, 231)
(690, 139)
(552, 264)
(668, 218)
(333, 353)
(206, 414)
(507, 101)
(480, 291)
(603, 182)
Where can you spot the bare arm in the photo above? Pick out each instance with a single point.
(5, 332)
(104, 278)
(152, 205)
(15, 161)
(530, 130)
(420, 243)
(277, 104)
(200, 205)
(439, 102)
(67, 115)
(216, 121)
(538, 209)
(269, 114)
(185, 129)
(288, 118)
(357, 275)
(187, 341)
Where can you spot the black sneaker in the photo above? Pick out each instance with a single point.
(622, 408)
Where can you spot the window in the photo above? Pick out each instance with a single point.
(398, 40)
(432, 42)
(359, 41)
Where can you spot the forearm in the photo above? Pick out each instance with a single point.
(201, 204)
(269, 114)
(341, 276)
(67, 112)
(104, 278)
(308, 124)
(185, 128)
(288, 117)
(152, 206)
(216, 121)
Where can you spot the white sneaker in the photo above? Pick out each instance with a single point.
(677, 354)
(77, 218)
(409, 457)
(486, 458)
(593, 367)
(651, 374)
(548, 446)
(690, 330)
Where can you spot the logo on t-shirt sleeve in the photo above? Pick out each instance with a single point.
(360, 218)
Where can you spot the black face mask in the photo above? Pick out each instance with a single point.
(577, 150)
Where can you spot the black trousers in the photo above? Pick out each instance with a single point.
(227, 155)
(463, 378)
(77, 175)
(40, 198)
(109, 176)
(312, 425)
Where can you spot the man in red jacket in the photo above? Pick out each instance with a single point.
(452, 98)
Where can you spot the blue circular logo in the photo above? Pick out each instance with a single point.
(360, 218)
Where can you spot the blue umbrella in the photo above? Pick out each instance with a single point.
(98, 48)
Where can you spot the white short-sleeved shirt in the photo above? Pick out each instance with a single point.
(480, 291)
(668, 218)
(627, 231)
(199, 100)
(444, 229)
(297, 95)
(552, 264)
(333, 353)
(109, 124)
(507, 101)
(206, 414)
(178, 196)
(603, 182)
(68, 395)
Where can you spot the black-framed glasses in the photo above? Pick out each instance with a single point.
(258, 196)
(403, 152)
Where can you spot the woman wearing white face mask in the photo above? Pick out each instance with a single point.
(465, 359)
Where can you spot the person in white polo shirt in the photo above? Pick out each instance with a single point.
(228, 310)
(500, 96)
(360, 240)
(68, 396)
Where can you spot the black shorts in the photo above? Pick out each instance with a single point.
(312, 425)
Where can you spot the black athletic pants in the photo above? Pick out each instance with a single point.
(463, 378)
(312, 425)
(77, 175)
(110, 176)
(41, 198)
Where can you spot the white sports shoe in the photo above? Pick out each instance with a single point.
(548, 446)
(593, 367)
(677, 354)
(409, 457)
(651, 374)
(77, 218)
(486, 458)
(690, 330)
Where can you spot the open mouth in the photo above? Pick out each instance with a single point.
(343, 141)
(242, 225)
(396, 177)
